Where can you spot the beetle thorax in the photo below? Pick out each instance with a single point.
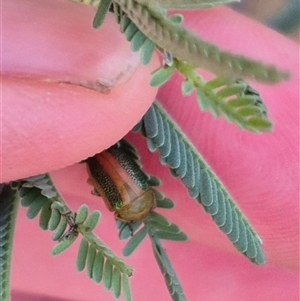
(138, 209)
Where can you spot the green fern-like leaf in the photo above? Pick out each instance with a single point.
(41, 198)
(8, 211)
(185, 46)
(235, 100)
(167, 270)
(100, 262)
(203, 185)
(102, 265)
(39, 195)
(238, 102)
(147, 27)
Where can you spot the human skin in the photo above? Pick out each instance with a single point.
(49, 124)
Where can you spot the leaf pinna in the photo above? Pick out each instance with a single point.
(185, 46)
(167, 270)
(38, 193)
(235, 100)
(164, 135)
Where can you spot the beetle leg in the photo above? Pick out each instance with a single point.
(126, 224)
(130, 228)
(95, 192)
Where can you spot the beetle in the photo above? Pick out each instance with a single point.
(117, 177)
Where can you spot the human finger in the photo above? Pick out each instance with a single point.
(68, 91)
